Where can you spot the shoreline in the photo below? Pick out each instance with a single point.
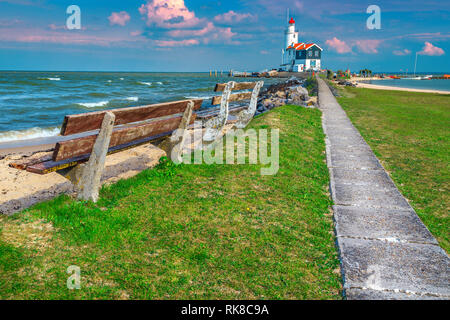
(392, 88)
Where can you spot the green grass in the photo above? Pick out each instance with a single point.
(188, 231)
(410, 134)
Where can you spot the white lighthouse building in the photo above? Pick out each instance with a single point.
(299, 56)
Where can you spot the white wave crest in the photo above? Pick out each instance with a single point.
(32, 133)
(145, 83)
(50, 79)
(132, 98)
(94, 104)
(198, 97)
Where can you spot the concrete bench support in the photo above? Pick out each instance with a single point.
(215, 125)
(174, 145)
(245, 116)
(86, 177)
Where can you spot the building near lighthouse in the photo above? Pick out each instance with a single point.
(299, 56)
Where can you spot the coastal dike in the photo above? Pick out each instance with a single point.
(386, 251)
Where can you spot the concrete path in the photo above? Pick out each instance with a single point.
(386, 252)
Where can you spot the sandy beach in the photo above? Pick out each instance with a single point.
(378, 87)
(21, 189)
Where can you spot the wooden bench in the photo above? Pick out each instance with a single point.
(82, 160)
(215, 122)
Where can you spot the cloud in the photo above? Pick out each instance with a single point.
(338, 45)
(168, 14)
(264, 52)
(430, 50)
(135, 33)
(9, 23)
(210, 33)
(175, 43)
(120, 18)
(368, 46)
(231, 17)
(403, 52)
(65, 38)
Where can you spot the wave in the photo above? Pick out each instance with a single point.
(32, 133)
(145, 83)
(97, 94)
(94, 104)
(198, 97)
(132, 98)
(50, 79)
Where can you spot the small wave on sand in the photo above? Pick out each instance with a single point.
(32, 133)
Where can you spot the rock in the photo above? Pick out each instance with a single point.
(281, 94)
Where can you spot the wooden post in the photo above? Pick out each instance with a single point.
(87, 177)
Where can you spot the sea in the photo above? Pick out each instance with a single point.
(434, 84)
(33, 104)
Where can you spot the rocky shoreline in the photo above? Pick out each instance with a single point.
(291, 91)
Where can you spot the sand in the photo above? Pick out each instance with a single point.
(378, 87)
(21, 189)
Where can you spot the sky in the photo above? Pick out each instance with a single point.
(243, 35)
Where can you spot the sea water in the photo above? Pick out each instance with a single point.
(33, 104)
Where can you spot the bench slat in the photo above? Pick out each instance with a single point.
(79, 123)
(23, 164)
(52, 166)
(233, 98)
(77, 147)
(238, 86)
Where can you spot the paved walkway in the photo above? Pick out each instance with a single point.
(386, 252)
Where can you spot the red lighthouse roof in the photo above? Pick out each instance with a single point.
(292, 21)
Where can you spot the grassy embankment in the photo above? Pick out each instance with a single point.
(188, 231)
(410, 133)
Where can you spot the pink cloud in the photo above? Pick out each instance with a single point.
(63, 38)
(233, 17)
(207, 34)
(120, 18)
(368, 46)
(175, 43)
(430, 50)
(338, 45)
(403, 52)
(168, 14)
(135, 33)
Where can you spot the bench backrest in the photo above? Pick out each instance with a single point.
(167, 118)
(236, 96)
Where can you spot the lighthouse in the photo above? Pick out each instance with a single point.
(291, 34)
(299, 56)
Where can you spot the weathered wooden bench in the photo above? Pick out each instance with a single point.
(214, 122)
(82, 160)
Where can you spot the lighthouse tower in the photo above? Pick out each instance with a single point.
(291, 34)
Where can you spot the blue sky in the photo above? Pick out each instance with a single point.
(193, 35)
